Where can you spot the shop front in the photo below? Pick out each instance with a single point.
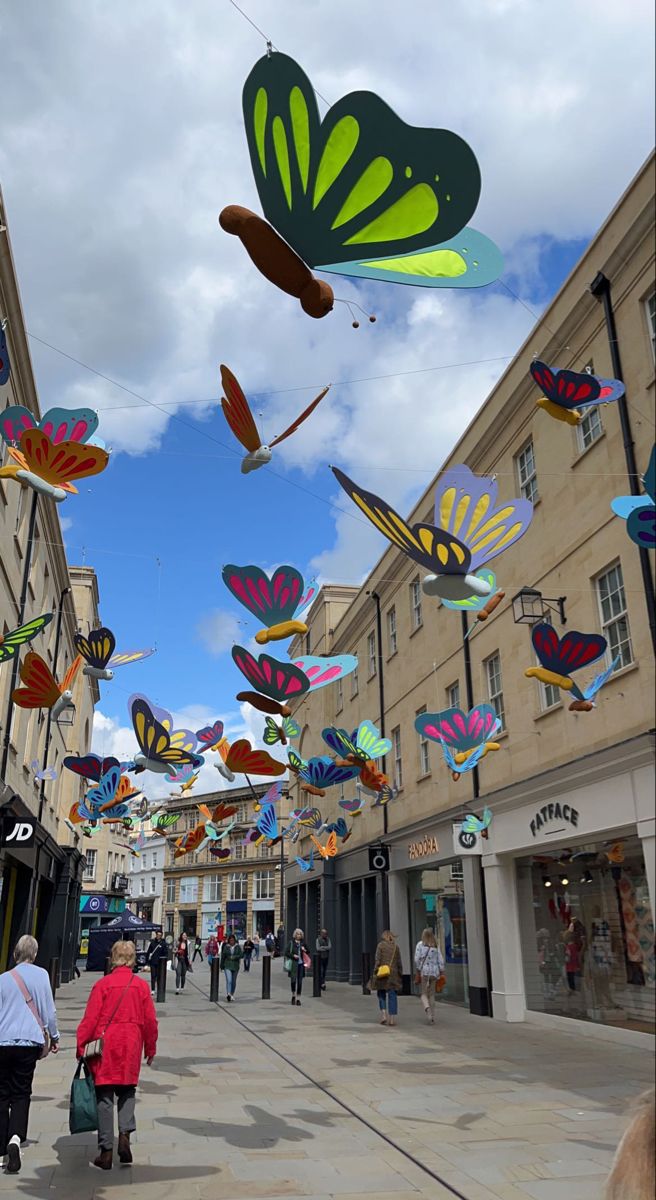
(570, 885)
(264, 917)
(236, 912)
(210, 918)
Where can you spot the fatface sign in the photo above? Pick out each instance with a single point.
(553, 812)
(19, 834)
(425, 848)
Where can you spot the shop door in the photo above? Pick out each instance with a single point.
(437, 902)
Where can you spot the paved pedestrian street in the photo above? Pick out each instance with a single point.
(259, 1100)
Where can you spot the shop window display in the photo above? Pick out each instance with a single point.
(588, 934)
(437, 902)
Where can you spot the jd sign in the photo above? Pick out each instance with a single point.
(18, 833)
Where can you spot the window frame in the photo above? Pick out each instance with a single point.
(453, 687)
(372, 656)
(184, 899)
(238, 880)
(590, 417)
(614, 618)
(494, 696)
(264, 879)
(89, 869)
(397, 754)
(416, 611)
(355, 682)
(424, 747)
(525, 484)
(339, 703)
(649, 309)
(212, 888)
(170, 891)
(392, 632)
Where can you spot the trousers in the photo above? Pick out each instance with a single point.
(296, 977)
(231, 981)
(387, 1001)
(428, 983)
(180, 973)
(125, 1101)
(17, 1065)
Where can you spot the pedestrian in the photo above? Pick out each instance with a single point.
(120, 1013)
(182, 963)
(279, 939)
(386, 978)
(230, 959)
(269, 942)
(157, 950)
(324, 946)
(429, 970)
(256, 946)
(198, 948)
(28, 1027)
(212, 948)
(633, 1174)
(247, 950)
(297, 959)
(77, 955)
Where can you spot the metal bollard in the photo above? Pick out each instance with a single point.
(266, 977)
(53, 973)
(215, 974)
(108, 966)
(162, 968)
(366, 973)
(316, 975)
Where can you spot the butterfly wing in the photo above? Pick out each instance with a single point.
(237, 412)
(370, 743)
(307, 598)
(15, 419)
(242, 759)
(89, 766)
(321, 671)
(272, 600)
(103, 795)
(41, 689)
(11, 641)
(482, 723)
(123, 657)
(322, 772)
(598, 682)
(568, 389)
(299, 420)
(434, 549)
(272, 732)
(359, 182)
(567, 654)
(267, 822)
(339, 741)
(471, 824)
(474, 603)
(69, 677)
(60, 465)
(351, 806)
(641, 526)
(69, 424)
(209, 736)
(291, 728)
(97, 648)
(154, 741)
(278, 680)
(448, 726)
(465, 506)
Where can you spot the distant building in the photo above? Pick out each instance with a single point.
(551, 917)
(146, 879)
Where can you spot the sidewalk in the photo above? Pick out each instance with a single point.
(498, 1112)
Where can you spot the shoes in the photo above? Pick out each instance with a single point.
(299, 1003)
(323, 987)
(392, 1021)
(228, 998)
(124, 1151)
(293, 999)
(177, 991)
(104, 1160)
(13, 1160)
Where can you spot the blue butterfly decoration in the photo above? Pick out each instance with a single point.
(306, 864)
(639, 512)
(102, 795)
(267, 823)
(474, 824)
(340, 828)
(321, 771)
(598, 682)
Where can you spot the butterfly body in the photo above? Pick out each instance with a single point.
(97, 650)
(157, 739)
(237, 413)
(277, 261)
(276, 682)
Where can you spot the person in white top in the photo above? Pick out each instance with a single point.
(429, 966)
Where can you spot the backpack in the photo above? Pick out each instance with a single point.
(269, 942)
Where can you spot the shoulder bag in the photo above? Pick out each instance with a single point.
(419, 970)
(94, 1049)
(47, 1040)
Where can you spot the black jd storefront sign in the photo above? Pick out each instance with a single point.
(17, 834)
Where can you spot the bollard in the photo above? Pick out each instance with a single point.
(266, 977)
(108, 966)
(366, 973)
(316, 975)
(215, 974)
(162, 968)
(53, 972)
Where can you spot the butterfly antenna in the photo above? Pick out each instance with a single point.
(351, 304)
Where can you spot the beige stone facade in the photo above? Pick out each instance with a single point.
(576, 548)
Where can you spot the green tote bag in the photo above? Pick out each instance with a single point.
(83, 1110)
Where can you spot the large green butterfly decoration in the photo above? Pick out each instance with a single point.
(360, 193)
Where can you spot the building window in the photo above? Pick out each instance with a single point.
(453, 694)
(265, 851)
(264, 885)
(212, 888)
(526, 473)
(398, 762)
(142, 886)
(340, 695)
(89, 872)
(191, 818)
(650, 310)
(237, 887)
(590, 428)
(391, 631)
(189, 889)
(549, 695)
(424, 751)
(169, 922)
(614, 617)
(170, 891)
(495, 687)
(153, 885)
(238, 850)
(371, 654)
(415, 603)
(457, 873)
(355, 683)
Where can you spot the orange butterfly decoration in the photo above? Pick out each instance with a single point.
(41, 461)
(41, 688)
(243, 760)
(237, 413)
(221, 812)
(189, 841)
(330, 848)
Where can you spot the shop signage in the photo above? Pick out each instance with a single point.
(553, 812)
(465, 842)
(379, 858)
(429, 845)
(18, 833)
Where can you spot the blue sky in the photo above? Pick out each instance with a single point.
(113, 179)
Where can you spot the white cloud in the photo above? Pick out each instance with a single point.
(218, 631)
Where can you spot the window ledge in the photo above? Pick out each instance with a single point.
(416, 629)
(582, 453)
(372, 676)
(392, 655)
(546, 712)
(426, 775)
(632, 666)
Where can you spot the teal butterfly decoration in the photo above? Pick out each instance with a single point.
(283, 733)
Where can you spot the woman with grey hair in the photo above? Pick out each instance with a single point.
(297, 956)
(28, 1029)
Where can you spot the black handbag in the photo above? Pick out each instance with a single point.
(94, 1048)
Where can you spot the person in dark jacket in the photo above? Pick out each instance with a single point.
(230, 959)
(295, 955)
(156, 951)
(182, 963)
(198, 949)
(247, 949)
(324, 946)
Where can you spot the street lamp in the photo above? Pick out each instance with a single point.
(530, 606)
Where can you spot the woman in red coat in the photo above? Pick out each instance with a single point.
(119, 1010)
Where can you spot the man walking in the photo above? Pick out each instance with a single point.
(198, 948)
(157, 951)
(324, 946)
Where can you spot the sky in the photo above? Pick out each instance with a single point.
(122, 141)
